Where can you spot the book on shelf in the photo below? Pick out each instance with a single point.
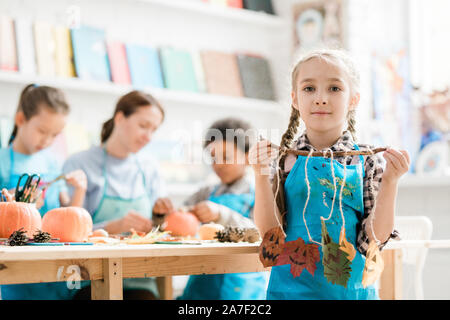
(178, 69)
(199, 72)
(45, 47)
(64, 53)
(256, 77)
(235, 4)
(118, 62)
(221, 73)
(144, 66)
(8, 53)
(89, 50)
(25, 46)
(259, 5)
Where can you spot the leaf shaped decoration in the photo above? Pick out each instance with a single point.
(346, 246)
(271, 247)
(335, 261)
(374, 265)
(300, 256)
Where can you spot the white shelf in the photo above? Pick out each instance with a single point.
(221, 12)
(424, 181)
(164, 95)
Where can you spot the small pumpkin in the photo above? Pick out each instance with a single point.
(181, 223)
(16, 215)
(208, 231)
(99, 233)
(69, 224)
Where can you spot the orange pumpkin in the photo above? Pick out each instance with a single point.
(181, 223)
(16, 215)
(69, 224)
(208, 231)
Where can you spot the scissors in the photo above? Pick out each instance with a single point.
(24, 193)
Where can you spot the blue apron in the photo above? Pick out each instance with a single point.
(282, 285)
(46, 290)
(113, 207)
(230, 286)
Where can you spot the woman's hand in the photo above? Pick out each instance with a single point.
(397, 164)
(77, 179)
(132, 220)
(206, 211)
(163, 206)
(261, 155)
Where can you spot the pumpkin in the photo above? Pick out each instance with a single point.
(69, 224)
(99, 233)
(181, 223)
(16, 215)
(208, 231)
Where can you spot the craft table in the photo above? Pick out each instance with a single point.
(106, 265)
(391, 278)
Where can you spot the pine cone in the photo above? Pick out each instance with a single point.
(236, 234)
(251, 235)
(17, 238)
(223, 235)
(41, 236)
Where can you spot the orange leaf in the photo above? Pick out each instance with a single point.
(374, 265)
(346, 246)
(271, 247)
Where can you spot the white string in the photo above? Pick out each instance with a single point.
(342, 189)
(307, 198)
(277, 168)
(372, 214)
(334, 183)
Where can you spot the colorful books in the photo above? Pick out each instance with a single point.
(8, 54)
(118, 62)
(221, 73)
(178, 70)
(256, 77)
(144, 66)
(90, 57)
(25, 46)
(45, 46)
(63, 54)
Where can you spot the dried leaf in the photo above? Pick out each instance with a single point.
(271, 247)
(374, 265)
(335, 261)
(300, 256)
(346, 246)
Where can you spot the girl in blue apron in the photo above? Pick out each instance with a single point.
(238, 205)
(325, 95)
(117, 203)
(41, 115)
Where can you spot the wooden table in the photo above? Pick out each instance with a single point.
(106, 265)
(392, 279)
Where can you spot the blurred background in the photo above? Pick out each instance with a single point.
(209, 59)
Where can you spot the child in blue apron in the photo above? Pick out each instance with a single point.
(325, 96)
(40, 117)
(124, 186)
(229, 203)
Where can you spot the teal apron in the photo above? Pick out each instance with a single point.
(230, 286)
(112, 208)
(46, 290)
(282, 284)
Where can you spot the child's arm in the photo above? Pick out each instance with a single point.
(397, 164)
(208, 211)
(265, 215)
(78, 180)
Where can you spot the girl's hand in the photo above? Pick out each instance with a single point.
(207, 211)
(397, 164)
(132, 220)
(261, 155)
(163, 206)
(77, 179)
